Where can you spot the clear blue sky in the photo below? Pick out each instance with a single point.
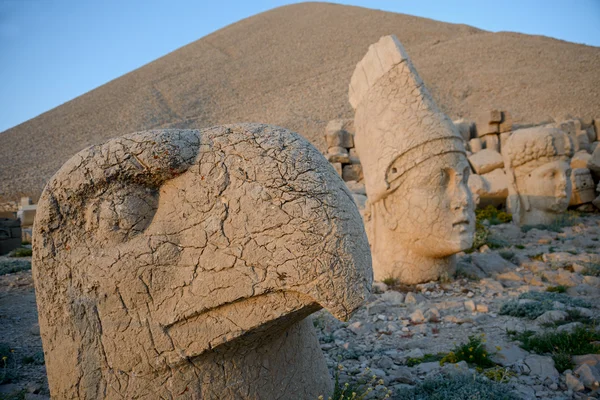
(52, 51)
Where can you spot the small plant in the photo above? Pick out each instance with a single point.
(480, 237)
(519, 246)
(498, 374)
(557, 289)
(8, 364)
(457, 387)
(25, 243)
(21, 252)
(359, 390)
(473, 352)
(411, 362)
(391, 281)
(538, 257)
(561, 345)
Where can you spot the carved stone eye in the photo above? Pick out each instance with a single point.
(121, 212)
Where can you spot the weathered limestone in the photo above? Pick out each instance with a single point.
(583, 190)
(536, 161)
(475, 145)
(10, 235)
(182, 264)
(489, 189)
(580, 159)
(420, 210)
(486, 161)
(594, 161)
(492, 142)
(506, 124)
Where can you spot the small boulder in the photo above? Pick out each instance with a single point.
(541, 366)
(486, 161)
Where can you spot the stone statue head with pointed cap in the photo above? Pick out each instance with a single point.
(536, 161)
(421, 211)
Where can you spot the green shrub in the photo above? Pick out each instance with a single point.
(493, 215)
(498, 374)
(591, 269)
(10, 266)
(561, 345)
(411, 362)
(458, 387)
(557, 289)
(358, 390)
(21, 252)
(544, 301)
(473, 352)
(519, 246)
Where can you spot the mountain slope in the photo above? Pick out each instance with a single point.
(291, 66)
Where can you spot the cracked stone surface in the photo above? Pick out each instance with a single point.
(182, 264)
(420, 211)
(537, 163)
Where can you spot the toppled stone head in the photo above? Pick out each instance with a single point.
(415, 168)
(582, 184)
(536, 161)
(182, 263)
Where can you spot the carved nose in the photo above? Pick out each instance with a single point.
(461, 196)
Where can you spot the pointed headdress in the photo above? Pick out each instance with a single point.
(398, 125)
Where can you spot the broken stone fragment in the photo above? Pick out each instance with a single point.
(580, 159)
(582, 184)
(352, 172)
(486, 161)
(337, 135)
(338, 155)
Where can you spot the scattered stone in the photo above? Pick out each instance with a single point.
(506, 354)
(470, 305)
(589, 376)
(552, 316)
(541, 366)
(417, 317)
(573, 383)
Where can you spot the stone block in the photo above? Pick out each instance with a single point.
(594, 161)
(475, 145)
(485, 128)
(486, 161)
(26, 201)
(495, 116)
(503, 138)
(338, 154)
(580, 159)
(506, 124)
(581, 141)
(582, 187)
(8, 214)
(492, 142)
(490, 188)
(336, 134)
(352, 172)
(591, 132)
(27, 216)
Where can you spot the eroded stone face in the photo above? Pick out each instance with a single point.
(537, 161)
(421, 210)
(182, 263)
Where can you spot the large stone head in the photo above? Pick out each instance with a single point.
(537, 163)
(158, 247)
(415, 168)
